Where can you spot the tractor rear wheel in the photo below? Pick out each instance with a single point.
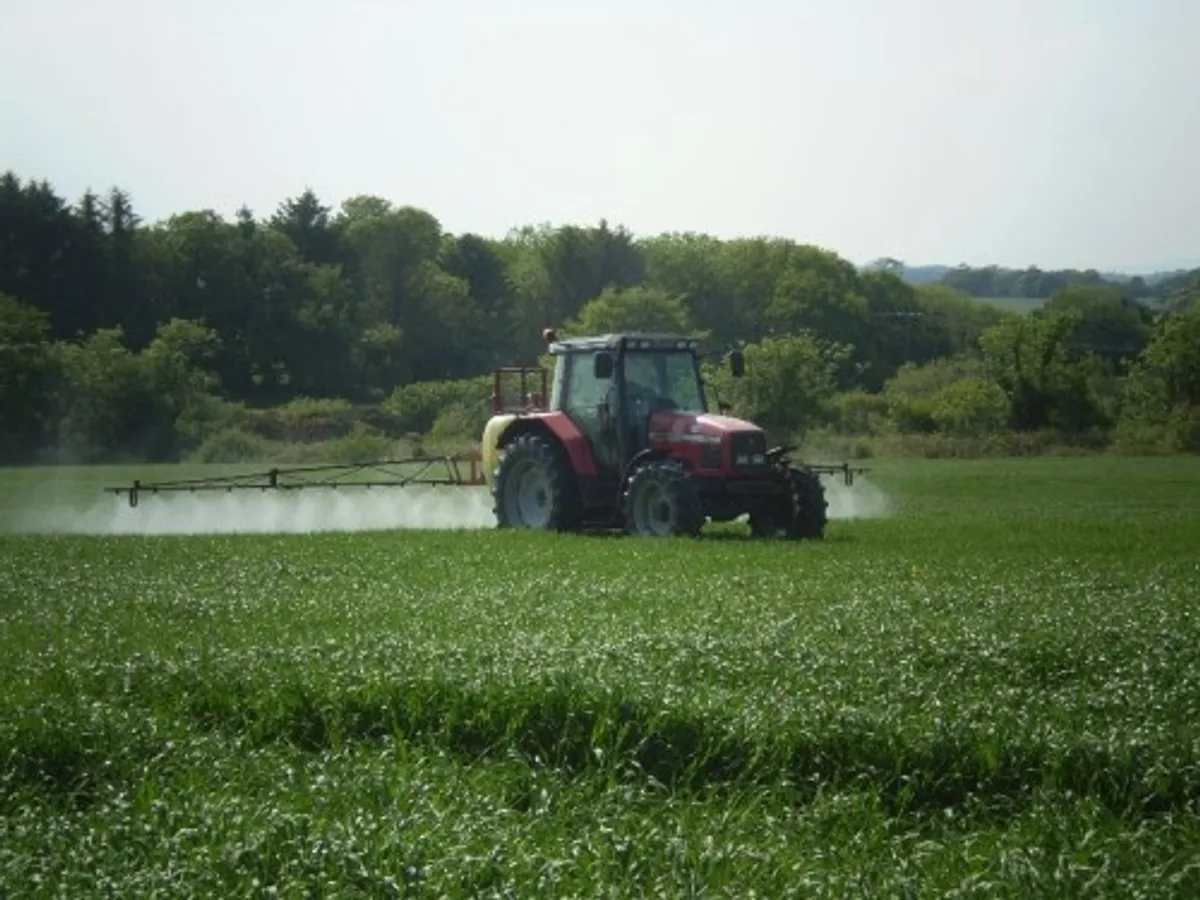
(803, 513)
(535, 486)
(662, 499)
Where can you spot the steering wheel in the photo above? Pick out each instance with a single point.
(663, 404)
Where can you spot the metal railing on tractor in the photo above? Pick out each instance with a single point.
(455, 469)
(528, 399)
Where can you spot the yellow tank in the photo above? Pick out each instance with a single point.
(488, 450)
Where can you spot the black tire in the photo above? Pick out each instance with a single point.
(535, 486)
(662, 499)
(810, 510)
(804, 513)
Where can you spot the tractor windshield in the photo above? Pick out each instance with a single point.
(664, 378)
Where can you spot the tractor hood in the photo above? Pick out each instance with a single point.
(675, 425)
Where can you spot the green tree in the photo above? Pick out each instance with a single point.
(187, 405)
(970, 407)
(1110, 325)
(1029, 358)
(306, 222)
(116, 403)
(637, 308)
(912, 394)
(1161, 397)
(27, 371)
(476, 261)
(953, 320)
(788, 385)
(692, 266)
(818, 291)
(555, 271)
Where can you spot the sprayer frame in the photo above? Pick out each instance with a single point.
(450, 470)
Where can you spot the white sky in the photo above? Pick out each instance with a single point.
(1050, 132)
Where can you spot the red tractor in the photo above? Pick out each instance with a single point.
(627, 441)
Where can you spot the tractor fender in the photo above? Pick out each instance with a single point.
(643, 456)
(554, 426)
(489, 448)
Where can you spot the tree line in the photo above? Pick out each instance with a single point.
(119, 336)
(1034, 282)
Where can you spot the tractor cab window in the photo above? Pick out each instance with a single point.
(584, 392)
(656, 379)
(589, 401)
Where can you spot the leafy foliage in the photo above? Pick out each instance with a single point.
(27, 370)
(1162, 393)
(789, 382)
(371, 299)
(637, 308)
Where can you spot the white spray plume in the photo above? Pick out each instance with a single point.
(248, 512)
(861, 500)
(354, 509)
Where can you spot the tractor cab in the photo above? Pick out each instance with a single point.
(625, 391)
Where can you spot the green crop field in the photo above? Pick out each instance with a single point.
(994, 690)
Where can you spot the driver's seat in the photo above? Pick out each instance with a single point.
(637, 415)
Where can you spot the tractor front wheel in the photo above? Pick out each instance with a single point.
(803, 513)
(535, 486)
(662, 499)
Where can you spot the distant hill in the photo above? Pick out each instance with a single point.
(928, 274)
(923, 274)
(997, 282)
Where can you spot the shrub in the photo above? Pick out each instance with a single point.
(362, 444)
(911, 394)
(309, 419)
(459, 423)
(970, 407)
(859, 412)
(233, 445)
(416, 407)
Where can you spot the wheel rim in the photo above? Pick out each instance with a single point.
(655, 511)
(528, 500)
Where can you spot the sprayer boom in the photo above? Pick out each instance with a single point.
(459, 470)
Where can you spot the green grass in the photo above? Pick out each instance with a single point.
(993, 692)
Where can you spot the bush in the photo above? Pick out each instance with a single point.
(912, 393)
(416, 407)
(789, 382)
(970, 407)
(232, 445)
(305, 420)
(308, 419)
(459, 424)
(1179, 433)
(827, 444)
(1044, 442)
(362, 444)
(207, 417)
(859, 412)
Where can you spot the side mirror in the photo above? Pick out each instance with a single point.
(602, 365)
(737, 363)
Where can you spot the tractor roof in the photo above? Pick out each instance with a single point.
(628, 340)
